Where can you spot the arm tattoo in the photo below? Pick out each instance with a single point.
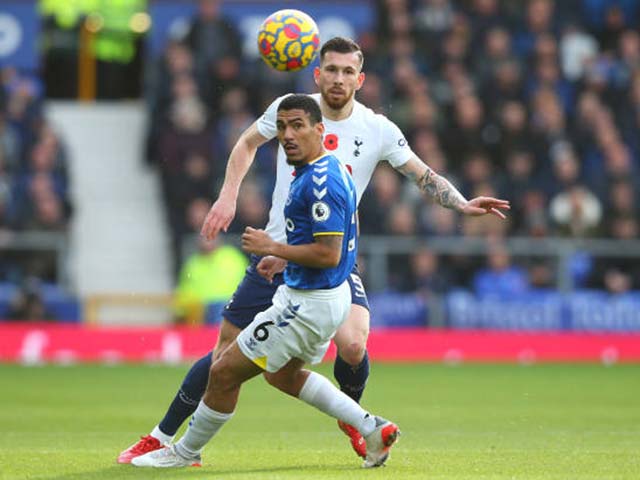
(441, 190)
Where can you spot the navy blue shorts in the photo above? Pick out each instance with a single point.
(254, 295)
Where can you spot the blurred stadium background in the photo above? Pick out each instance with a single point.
(117, 117)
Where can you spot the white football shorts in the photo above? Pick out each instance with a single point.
(299, 324)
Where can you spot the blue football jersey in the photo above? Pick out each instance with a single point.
(321, 201)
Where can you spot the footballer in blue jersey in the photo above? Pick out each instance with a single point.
(306, 311)
(321, 201)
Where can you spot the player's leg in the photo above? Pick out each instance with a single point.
(194, 385)
(252, 296)
(317, 391)
(216, 408)
(245, 358)
(351, 367)
(186, 400)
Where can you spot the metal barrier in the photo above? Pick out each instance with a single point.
(376, 250)
(56, 242)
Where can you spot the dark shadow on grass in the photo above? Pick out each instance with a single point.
(128, 471)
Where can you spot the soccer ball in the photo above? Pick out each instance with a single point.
(288, 40)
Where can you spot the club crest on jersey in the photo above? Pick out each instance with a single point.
(320, 211)
(358, 143)
(402, 142)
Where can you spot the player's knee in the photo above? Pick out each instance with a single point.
(352, 351)
(221, 377)
(228, 333)
(221, 346)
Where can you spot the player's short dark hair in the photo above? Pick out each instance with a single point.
(304, 103)
(341, 45)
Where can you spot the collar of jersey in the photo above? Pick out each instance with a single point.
(324, 154)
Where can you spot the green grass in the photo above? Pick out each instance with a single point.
(559, 422)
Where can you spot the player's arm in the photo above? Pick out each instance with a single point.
(442, 191)
(324, 252)
(240, 160)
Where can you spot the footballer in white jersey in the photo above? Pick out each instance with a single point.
(359, 141)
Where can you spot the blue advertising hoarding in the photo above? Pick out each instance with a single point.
(19, 29)
(580, 311)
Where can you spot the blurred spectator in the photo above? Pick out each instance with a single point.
(252, 209)
(497, 50)
(216, 46)
(535, 220)
(500, 278)
(9, 145)
(427, 276)
(618, 274)
(485, 15)
(576, 212)
(401, 220)
(577, 49)
(541, 275)
(208, 276)
(477, 170)
(622, 199)
(468, 135)
(512, 185)
(382, 194)
(211, 36)
(539, 19)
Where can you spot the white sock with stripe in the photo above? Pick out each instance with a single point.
(319, 392)
(203, 426)
(160, 435)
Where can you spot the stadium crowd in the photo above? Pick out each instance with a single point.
(536, 101)
(34, 192)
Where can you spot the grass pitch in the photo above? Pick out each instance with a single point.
(561, 422)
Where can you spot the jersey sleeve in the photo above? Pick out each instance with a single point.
(267, 122)
(395, 148)
(328, 207)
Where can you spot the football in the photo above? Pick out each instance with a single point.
(288, 40)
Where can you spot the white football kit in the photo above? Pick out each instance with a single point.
(359, 141)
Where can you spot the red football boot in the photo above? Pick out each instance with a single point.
(146, 444)
(357, 441)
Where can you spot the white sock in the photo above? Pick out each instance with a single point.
(203, 426)
(322, 394)
(160, 435)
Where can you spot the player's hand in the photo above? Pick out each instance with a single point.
(269, 266)
(219, 217)
(486, 205)
(256, 241)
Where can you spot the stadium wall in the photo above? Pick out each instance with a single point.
(40, 343)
